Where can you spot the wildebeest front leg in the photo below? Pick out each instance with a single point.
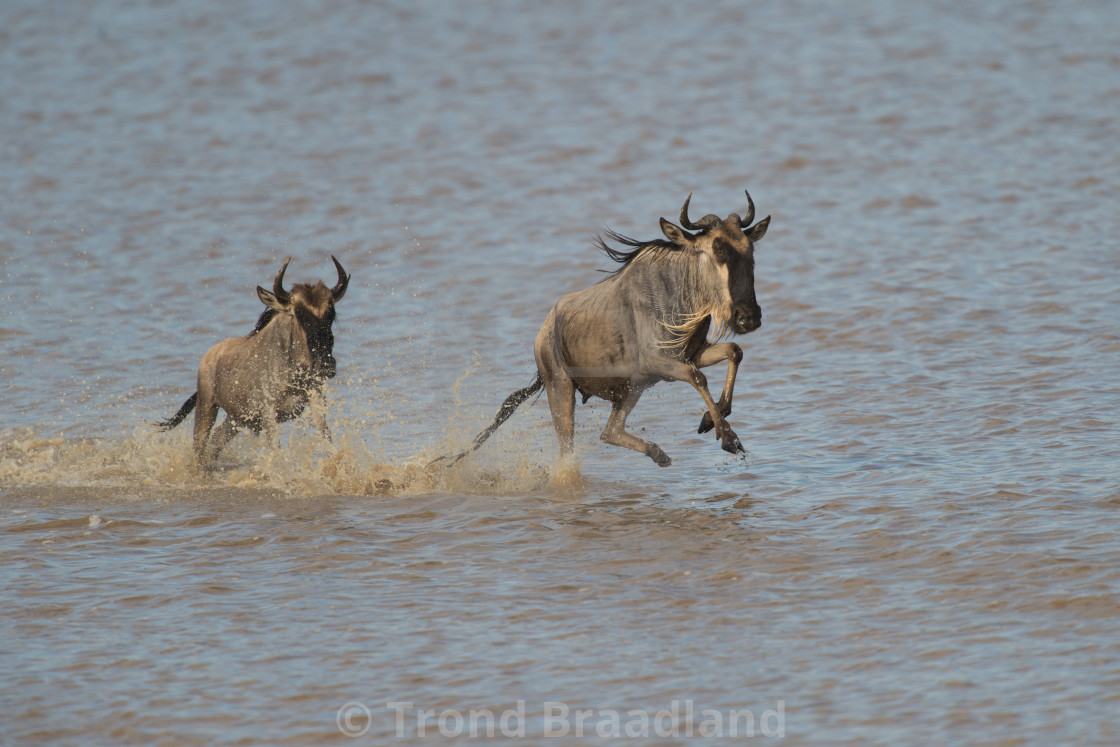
(733, 354)
(615, 432)
(670, 368)
(319, 413)
(270, 429)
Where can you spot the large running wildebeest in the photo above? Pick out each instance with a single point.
(649, 322)
(268, 376)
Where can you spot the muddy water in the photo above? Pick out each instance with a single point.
(919, 547)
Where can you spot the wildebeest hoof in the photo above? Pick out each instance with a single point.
(732, 445)
(706, 423)
(659, 456)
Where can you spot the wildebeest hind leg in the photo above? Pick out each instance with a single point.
(220, 437)
(615, 432)
(562, 403)
(204, 416)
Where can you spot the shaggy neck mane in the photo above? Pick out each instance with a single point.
(653, 251)
(262, 321)
(682, 315)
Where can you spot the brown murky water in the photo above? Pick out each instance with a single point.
(920, 546)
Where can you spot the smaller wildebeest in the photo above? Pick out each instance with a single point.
(648, 322)
(268, 376)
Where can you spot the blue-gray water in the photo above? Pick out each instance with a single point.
(919, 548)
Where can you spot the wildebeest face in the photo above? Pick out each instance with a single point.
(315, 323)
(733, 254)
(312, 307)
(729, 244)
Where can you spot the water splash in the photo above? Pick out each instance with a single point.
(301, 464)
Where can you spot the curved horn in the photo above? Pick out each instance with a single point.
(706, 222)
(278, 284)
(685, 222)
(339, 290)
(745, 223)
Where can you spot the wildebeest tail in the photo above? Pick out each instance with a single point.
(184, 411)
(508, 407)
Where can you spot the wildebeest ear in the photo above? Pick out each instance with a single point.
(758, 230)
(674, 233)
(269, 299)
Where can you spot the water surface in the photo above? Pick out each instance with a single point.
(919, 545)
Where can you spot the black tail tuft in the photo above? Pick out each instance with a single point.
(508, 407)
(184, 411)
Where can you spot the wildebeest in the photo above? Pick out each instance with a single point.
(648, 322)
(268, 376)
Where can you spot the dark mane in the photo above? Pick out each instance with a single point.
(262, 322)
(637, 248)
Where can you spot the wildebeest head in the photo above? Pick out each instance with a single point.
(312, 309)
(729, 245)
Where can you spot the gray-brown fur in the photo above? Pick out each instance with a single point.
(270, 375)
(649, 322)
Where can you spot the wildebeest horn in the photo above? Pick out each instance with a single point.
(339, 289)
(278, 284)
(745, 223)
(706, 222)
(685, 222)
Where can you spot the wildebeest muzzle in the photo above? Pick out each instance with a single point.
(325, 366)
(746, 318)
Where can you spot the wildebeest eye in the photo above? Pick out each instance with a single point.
(722, 250)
